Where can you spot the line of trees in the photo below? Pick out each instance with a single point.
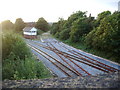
(19, 24)
(77, 25)
(102, 33)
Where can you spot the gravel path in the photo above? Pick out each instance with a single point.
(110, 80)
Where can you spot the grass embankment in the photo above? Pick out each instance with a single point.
(18, 61)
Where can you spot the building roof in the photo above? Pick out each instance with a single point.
(27, 28)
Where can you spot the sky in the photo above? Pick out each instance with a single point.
(52, 10)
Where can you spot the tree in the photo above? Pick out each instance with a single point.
(107, 35)
(42, 24)
(80, 27)
(54, 28)
(101, 16)
(59, 27)
(63, 28)
(64, 34)
(74, 17)
(7, 25)
(19, 24)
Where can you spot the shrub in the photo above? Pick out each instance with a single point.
(64, 35)
(106, 36)
(23, 69)
(18, 62)
(57, 35)
(12, 42)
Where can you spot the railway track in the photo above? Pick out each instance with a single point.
(93, 60)
(59, 54)
(68, 71)
(71, 58)
(55, 49)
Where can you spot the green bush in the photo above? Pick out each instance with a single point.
(12, 42)
(57, 35)
(64, 35)
(74, 27)
(18, 61)
(80, 27)
(23, 69)
(54, 29)
(106, 36)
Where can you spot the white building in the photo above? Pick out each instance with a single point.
(30, 32)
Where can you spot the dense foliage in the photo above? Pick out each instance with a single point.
(7, 25)
(74, 28)
(13, 43)
(42, 24)
(18, 62)
(19, 24)
(100, 34)
(107, 35)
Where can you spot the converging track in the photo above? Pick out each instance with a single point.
(64, 60)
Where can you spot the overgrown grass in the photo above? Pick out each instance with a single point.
(18, 61)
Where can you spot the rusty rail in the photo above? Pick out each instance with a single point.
(70, 60)
(99, 63)
(81, 58)
(66, 61)
(74, 58)
(54, 59)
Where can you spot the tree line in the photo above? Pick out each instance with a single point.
(102, 33)
(19, 24)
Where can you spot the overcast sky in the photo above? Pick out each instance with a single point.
(51, 10)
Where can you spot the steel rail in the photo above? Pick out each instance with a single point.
(73, 62)
(68, 55)
(98, 61)
(51, 62)
(78, 66)
(91, 59)
(66, 61)
(49, 48)
(55, 60)
(76, 59)
(85, 63)
(81, 58)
